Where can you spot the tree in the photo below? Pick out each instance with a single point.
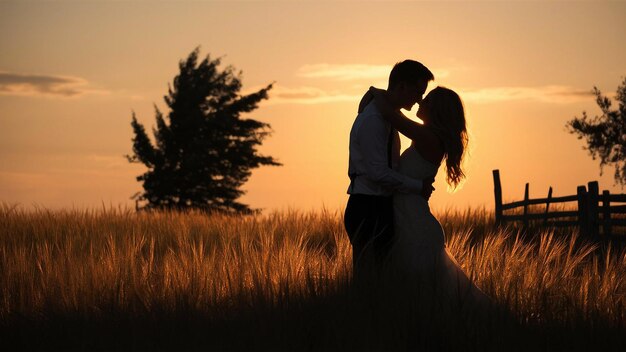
(605, 134)
(203, 151)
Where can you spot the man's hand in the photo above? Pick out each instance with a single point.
(427, 187)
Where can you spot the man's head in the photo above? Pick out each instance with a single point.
(407, 83)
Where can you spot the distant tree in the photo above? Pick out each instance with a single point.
(203, 151)
(605, 134)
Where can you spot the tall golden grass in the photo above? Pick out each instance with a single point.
(116, 279)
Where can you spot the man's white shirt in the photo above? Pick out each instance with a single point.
(368, 165)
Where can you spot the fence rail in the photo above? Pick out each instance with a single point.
(595, 212)
(513, 205)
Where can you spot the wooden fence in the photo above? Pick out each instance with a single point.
(594, 213)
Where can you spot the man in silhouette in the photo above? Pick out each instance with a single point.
(374, 153)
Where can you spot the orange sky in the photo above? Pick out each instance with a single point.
(71, 72)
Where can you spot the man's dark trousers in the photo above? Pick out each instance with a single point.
(369, 223)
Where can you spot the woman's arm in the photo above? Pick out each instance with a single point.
(406, 126)
(426, 142)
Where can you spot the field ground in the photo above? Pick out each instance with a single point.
(113, 279)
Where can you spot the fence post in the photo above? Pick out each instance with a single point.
(497, 191)
(545, 219)
(594, 222)
(581, 193)
(525, 206)
(606, 214)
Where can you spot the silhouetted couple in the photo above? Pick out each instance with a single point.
(387, 218)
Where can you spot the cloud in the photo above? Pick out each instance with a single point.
(347, 72)
(552, 94)
(44, 85)
(546, 94)
(557, 94)
(308, 95)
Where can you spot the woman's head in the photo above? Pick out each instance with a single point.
(442, 110)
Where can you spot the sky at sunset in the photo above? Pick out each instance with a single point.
(72, 72)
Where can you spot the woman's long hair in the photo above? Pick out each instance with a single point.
(447, 120)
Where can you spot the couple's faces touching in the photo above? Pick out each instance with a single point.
(412, 93)
(423, 111)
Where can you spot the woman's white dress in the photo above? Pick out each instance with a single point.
(419, 252)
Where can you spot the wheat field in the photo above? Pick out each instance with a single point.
(114, 279)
